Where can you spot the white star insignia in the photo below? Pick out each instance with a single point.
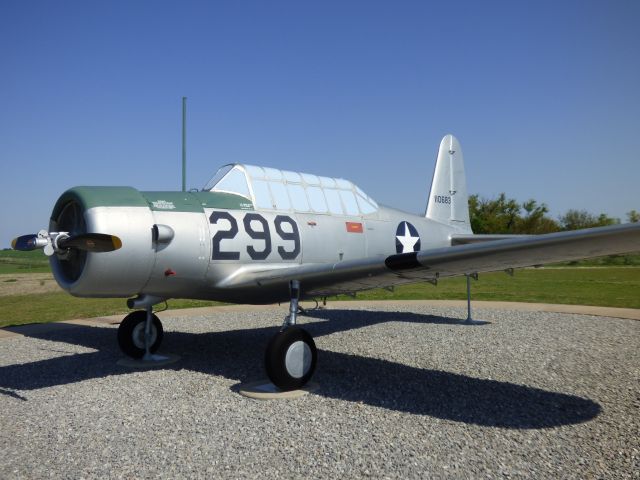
(408, 242)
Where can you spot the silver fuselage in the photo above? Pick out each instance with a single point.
(210, 247)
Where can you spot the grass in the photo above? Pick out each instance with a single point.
(631, 260)
(12, 261)
(56, 306)
(603, 286)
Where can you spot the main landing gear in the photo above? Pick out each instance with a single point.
(140, 333)
(290, 358)
(132, 334)
(291, 355)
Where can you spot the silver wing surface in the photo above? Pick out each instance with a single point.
(428, 265)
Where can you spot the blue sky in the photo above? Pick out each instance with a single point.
(544, 97)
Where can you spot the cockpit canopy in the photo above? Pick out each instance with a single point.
(273, 189)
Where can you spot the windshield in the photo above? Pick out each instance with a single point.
(229, 179)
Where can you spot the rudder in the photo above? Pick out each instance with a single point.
(448, 200)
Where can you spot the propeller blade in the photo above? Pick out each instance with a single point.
(25, 243)
(91, 242)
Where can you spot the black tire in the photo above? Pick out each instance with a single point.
(131, 334)
(290, 373)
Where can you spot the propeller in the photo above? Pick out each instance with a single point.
(25, 243)
(91, 242)
(60, 242)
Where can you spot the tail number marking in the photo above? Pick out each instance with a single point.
(442, 199)
(257, 227)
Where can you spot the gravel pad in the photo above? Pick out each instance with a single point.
(400, 394)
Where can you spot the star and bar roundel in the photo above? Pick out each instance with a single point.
(407, 238)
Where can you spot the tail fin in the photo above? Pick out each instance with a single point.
(448, 202)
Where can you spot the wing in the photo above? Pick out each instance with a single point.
(526, 251)
(428, 265)
(465, 239)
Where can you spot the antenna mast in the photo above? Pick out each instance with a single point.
(184, 144)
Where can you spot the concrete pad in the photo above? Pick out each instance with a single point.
(164, 360)
(265, 390)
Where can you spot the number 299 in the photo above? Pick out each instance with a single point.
(263, 234)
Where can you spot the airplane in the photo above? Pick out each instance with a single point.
(257, 235)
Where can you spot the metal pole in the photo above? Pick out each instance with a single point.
(184, 144)
(469, 298)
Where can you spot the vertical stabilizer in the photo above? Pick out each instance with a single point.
(448, 202)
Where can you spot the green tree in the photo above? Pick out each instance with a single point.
(493, 216)
(633, 216)
(504, 216)
(577, 219)
(535, 219)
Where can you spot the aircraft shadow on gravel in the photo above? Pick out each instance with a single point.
(235, 354)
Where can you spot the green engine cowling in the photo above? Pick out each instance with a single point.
(120, 211)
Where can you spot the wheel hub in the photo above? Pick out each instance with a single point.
(298, 359)
(138, 335)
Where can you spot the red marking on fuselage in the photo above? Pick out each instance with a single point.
(354, 227)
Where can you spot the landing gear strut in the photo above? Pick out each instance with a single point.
(291, 355)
